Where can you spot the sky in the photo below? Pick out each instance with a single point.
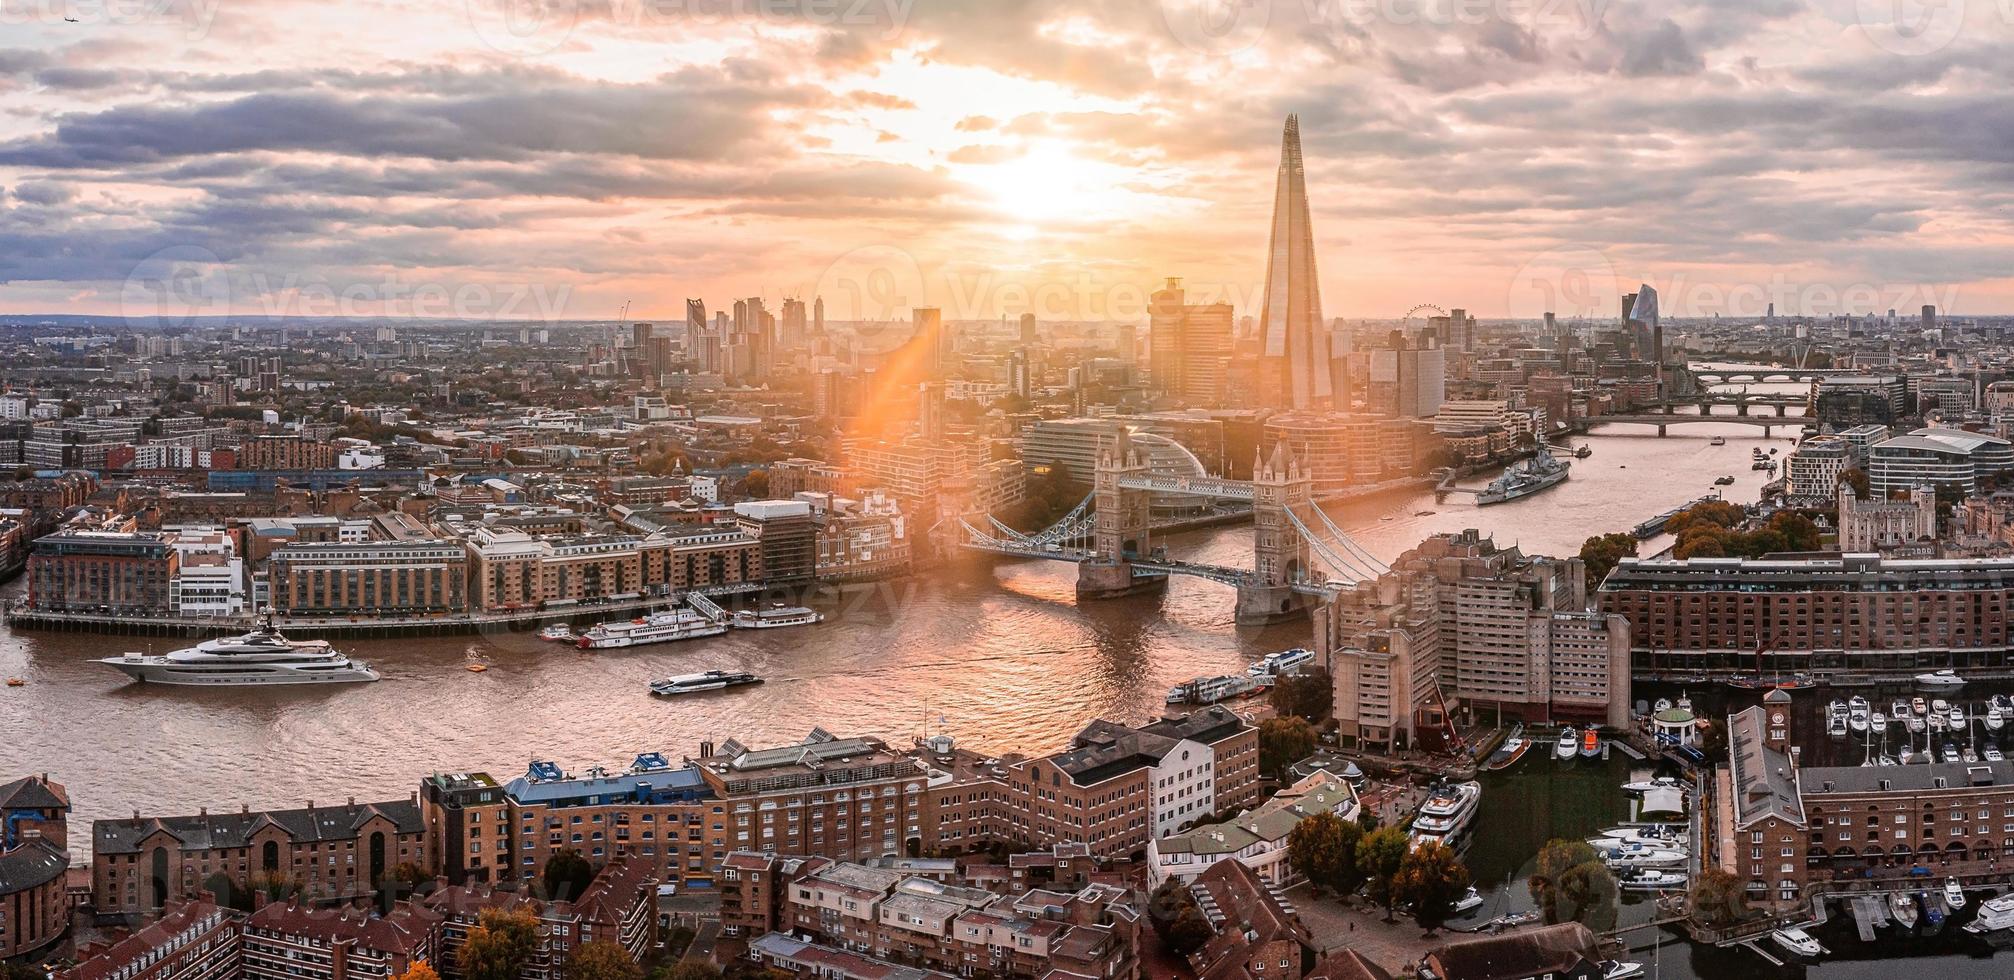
(568, 159)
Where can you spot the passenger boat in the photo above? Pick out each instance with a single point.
(1857, 713)
(1508, 754)
(1954, 896)
(1904, 909)
(1210, 690)
(775, 616)
(1569, 743)
(712, 680)
(1797, 942)
(664, 627)
(1941, 678)
(1651, 880)
(1995, 914)
(1285, 662)
(262, 656)
(1447, 814)
(1590, 744)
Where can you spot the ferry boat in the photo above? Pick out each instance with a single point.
(775, 617)
(1590, 744)
(1447, 814)
(712, 680)
(558, 633)
(1210, 690)
(1524, 478)
(1569, 743)
(1508, 754)
(262, 656)
(664, 627)
(1941, 678)
(1282, 663)
(1995, 914)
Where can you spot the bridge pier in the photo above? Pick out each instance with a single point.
(1660, 431)
(1264, 605)
(1741, 408)
(1099, 578)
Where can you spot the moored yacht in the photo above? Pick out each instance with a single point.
(1569, 743)
(262, 656)
(1941, 678)
(1590, 744)
(1447, 814)
(1995, 914)
(1857, 713)
(1954, 895)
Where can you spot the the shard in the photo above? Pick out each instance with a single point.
(1293, 370)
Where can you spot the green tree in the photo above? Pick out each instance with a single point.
(1379, 855)
(1570, 881)
(1431, 879)
(1176, 919)
(567, 875)
(1308, 694)
(602, 960)
(1323, 849)
(1603, 552)
(499, 946)
(1283, 742)
(1718, 898)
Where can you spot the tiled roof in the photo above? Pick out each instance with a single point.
(184, 918)
(32, 793)
(206, 831)
(1525, 953)
(1764, 780)
(35, 863)
(403, 931)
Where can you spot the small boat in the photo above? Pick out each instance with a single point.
(1651, 880)
(1905, 755)
(1724, 481)
(1993, 754)
(1663, 704)
(1884, 760)
(1797, 942)
(1583, 451)
(16, 682)
(1857, 713)
(1916, 705)
(1968, 754)
(1717, 441)
(1835, 726)
(1954, 896)
(1509, 754)
(712, 680)
(1618, 970)
(1904, 909)
(1899, 710)
(1590, 744)
(1957, 716)
(1569, 743)
(558, 633)
(1878, 721)
(476, 668)
(1469, 902)
(1649, 832)
(1951, 754)
(1995, 914)
(1939, 721)
(1995, 718)
(1916, 724)
(1932, 915)
(1643, 786)
(1941, 678)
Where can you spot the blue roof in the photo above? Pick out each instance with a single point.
(654, 786)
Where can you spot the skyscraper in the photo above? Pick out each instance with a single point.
(1293, 369)
(793, 327)
(1027, 329)
(1188, 347)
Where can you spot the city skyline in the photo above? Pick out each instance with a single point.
(987, 159)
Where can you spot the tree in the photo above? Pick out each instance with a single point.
(1431, 879)
(1176, 919)
(755, 486)
(228, 891)
(1570, 881)
(420, 970)
(499, 946)
(1283, 742)
(1717, 897)
(1603, 552)
(567, 875)
(1717, 512)
(406, 873)
(1855, 477)
(687, 970)
(1308, 694)
(1323, 849)
(602, 960)
(1379, 855)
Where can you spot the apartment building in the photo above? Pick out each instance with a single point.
(619, 906)
(1851, 611)
(844, 798)
(1256, 838)
(377, 578)
(292, 941)
(140, 864)
(194, 940)
(109, 572)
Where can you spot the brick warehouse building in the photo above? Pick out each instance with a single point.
(34, 835)
(102, 571)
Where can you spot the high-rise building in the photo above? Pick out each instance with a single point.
(794, 326)
(1293, 369)
(931, 339)
(818, 316)
(1019, 383)
(1189, 347)
(1929, 317)
(1027, 329)
(1410, 382)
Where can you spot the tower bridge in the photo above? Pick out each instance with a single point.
(1299, 555)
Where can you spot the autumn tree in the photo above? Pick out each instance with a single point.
(1570, 881)
(499, 946)
(1431, 879)
(1379, 855)
(420, 970)
(1718, 898)
(1308, 694)
(602, 960)
(1603, 552)
(687, 970)
(1323, 849)
(1176, 918)
(1283, 742)
(567, 874)
(1855, 477)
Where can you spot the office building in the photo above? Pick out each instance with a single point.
(1938, 458)
(1293, 368)
(1407, 381)
(1189, 346)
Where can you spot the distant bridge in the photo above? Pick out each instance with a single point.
(1762, 373)
(1765, 423)
(1107, 536)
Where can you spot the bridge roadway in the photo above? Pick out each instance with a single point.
(1763, 422)
(1762, 373)
(1150, 567)
(1200, 486)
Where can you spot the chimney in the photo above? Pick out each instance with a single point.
(245, 808)
(353, 801)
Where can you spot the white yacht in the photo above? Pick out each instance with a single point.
(1941, 678)
(1281, 663)
(1447, 814)
(775, 617)
(1569, 745)
(1651, 880)
(1954, 895)
(1797, 942)
(1631, 857)
(1992, 753)
(1469, 902)
(262, 656)
(664, 627)
(1995, 914)
(1619, 970)
(1857, 713)
(712, 680)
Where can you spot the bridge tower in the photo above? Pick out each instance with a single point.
(1121, 526)
(1279, 552)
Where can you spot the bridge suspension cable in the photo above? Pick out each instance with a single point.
(1350, 543)
(1328, 554)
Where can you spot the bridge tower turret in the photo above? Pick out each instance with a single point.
(1280, 555)
(1122, 525)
